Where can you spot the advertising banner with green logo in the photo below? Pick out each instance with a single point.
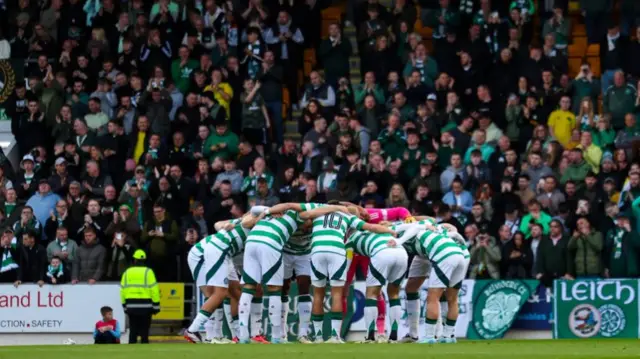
(596, 308)
(494, 306)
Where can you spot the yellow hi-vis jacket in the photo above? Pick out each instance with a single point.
(139, 290)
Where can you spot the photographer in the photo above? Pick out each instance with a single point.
(119, 255)
(585, 250)
(485, 256)
(558, 26)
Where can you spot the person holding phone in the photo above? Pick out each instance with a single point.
(120, 255)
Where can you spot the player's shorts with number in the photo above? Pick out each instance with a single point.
(298, 264)
(387, 266)
(262, 265)
(420, 267)
(328, 266)
(449, 273)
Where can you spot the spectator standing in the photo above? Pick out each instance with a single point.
(485, 256)
(537, 215)
(32, 260)
(622, 250)
(119, 255)
(160, 237)
(27, 223)
(91, 255)
(585, 248)
(619, 99)
(64, 248)
(334, 53)
(552, 255)
(519, 258)
(9, 260)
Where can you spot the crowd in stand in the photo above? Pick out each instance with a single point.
(140, 124)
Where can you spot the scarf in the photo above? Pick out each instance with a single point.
(92, 8)
(63, 246)
(9, 208)
(617, 243)
(611, 41)
(253, 64)
(8, 263)
(419, 66)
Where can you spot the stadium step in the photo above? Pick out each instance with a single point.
(354, 61)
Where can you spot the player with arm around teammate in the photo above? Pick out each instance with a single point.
(387, 266)
(297, 260)
(211, 270)
(329, 263)
(263, 262)
(449, 263)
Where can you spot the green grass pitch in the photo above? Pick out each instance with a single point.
(511, 349)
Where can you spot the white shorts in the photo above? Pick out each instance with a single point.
(331, 266)
(195, 260)
(420, 267)
(216, 267)
(262, 265)
(449, 273)
(300, 264)
(387, 266)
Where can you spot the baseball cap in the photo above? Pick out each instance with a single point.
(60, 161)
(27, 158)
(432, 97)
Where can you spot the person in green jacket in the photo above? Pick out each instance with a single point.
(392, 139)
(479, 143)
(622, 250)
(222, 143)
(619, 100)
(368, 87)
(535, 215)
(584, 85)
(259, 170)
(585, 250)
(559, 26)
(577, 170)
(424, 64)
(443, 18)
(181, 69)
(603, 135)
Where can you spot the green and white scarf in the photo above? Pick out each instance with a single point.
(8, 263)
(617, 243)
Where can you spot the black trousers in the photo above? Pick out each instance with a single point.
(105, 338)
(139, 325)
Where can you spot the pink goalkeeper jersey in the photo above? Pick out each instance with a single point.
(377, 215)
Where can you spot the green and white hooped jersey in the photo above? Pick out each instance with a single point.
(367, 243)
(330, 230)
(275, 232)
(299, 244)
(458, 239)
(435, 246)
(230, 242)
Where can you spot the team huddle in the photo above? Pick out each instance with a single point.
(310, 243)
